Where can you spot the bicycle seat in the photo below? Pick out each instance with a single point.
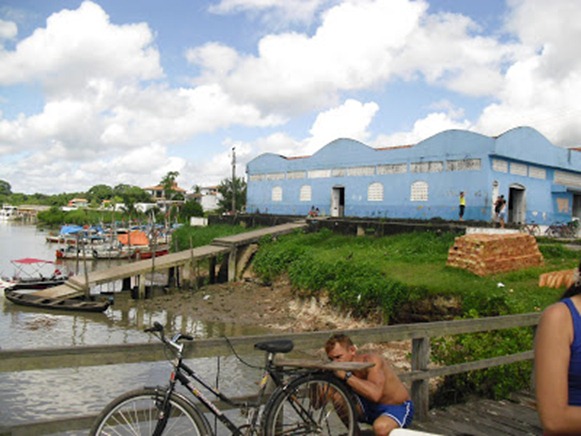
(275, 346)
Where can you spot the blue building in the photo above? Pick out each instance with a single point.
(541, 182)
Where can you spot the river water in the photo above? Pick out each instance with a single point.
(32, 396)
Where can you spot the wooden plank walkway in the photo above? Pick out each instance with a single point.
(483, 417)
(255, 235)
(75, 285)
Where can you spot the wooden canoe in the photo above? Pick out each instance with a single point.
(69, 304)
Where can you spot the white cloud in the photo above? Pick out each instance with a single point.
(77, 45)
(448, 50)
(350, 120)
(541, 89)
(98, 98)
(8, 30)
(106, 103)
(352, 49)
(433, 123)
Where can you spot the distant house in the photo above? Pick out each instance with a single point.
(158, 195)
(144, 207)
(540, 182)
(208, 197)
(158, 192)
(76, 203)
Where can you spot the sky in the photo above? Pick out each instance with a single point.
(124, 91)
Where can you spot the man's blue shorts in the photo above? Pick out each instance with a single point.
(400, 413)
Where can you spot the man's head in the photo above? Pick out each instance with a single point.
(340, 348)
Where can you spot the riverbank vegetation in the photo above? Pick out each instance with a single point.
(404, 278)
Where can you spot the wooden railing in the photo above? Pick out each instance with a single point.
(419, 376)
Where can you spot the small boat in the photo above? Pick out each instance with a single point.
(77, 304)
(68, 234)
(8, 212)
(29, 274)
(74, 252)
(118, 251)
(147, 252)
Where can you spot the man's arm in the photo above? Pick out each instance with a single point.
(372, 386)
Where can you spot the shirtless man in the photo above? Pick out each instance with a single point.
(384, 400)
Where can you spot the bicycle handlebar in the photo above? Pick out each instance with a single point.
(158, 328)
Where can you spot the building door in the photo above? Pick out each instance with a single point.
(516, 212)
(576, 204)
(338, 201)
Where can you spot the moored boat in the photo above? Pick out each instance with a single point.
(8, 212)
(147, 252)
(111, 252)
(74, 252)
(77, 304)
(33, 273)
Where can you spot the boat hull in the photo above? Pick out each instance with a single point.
(36, 283)
(67, 304)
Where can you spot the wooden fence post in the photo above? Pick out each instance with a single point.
(420, 388)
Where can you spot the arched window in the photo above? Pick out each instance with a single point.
(277, 193)
(306, 193)
(419, 191)
(375, 192)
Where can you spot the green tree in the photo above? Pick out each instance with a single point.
(168, 183)
(98, 193)
(130, 195)
(5, 188)
(190, 208)
(227, 189)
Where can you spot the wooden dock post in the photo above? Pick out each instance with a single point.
(232, 264)
(212, 269)
(141, 287)
(126, 283)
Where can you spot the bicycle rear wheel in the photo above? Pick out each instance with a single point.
(311, 404)
(137, 413)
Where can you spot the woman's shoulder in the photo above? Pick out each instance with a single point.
(556, 313)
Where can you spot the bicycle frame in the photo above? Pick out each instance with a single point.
(271, 372)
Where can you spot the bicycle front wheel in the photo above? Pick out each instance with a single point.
(311, 404)
(138, 413)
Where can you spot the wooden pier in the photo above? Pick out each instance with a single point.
(236, 247)
(514, 416)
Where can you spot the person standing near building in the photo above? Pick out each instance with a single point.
(462, 206)
(499, 207)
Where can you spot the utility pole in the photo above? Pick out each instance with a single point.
(233, 180)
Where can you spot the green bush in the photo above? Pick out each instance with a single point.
(370, 276)
(497, 382)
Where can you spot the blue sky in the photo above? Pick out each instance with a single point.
(123, 91)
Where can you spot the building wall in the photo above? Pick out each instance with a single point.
(541, 182)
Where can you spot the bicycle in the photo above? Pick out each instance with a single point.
(305, 400)
(563, 230)
(531, 228)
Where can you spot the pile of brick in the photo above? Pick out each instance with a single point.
(556, 279)
(486, 254)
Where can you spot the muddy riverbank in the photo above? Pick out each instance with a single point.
(275, 307)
